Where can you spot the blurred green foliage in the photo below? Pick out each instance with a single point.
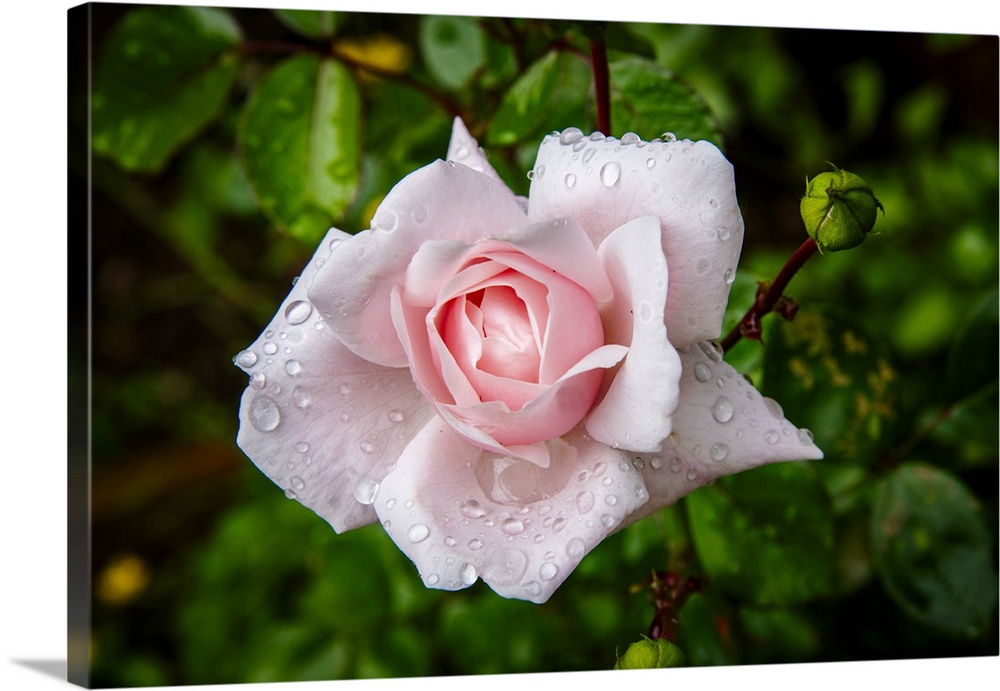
(227, 141)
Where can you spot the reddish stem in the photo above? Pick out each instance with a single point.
(602, 92)
(766, 300)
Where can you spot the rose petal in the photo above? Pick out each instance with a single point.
(441, 201)
(635, 412)
(722, 426)
(461, 513)
(464, 149)
(322, 423)
(687, 185)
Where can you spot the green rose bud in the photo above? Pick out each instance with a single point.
(839, 210)
(649, 654)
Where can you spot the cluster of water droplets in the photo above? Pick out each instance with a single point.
(517, 546)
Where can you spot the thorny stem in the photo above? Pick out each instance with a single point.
(669, 594)
(599, 61)
(766, 300)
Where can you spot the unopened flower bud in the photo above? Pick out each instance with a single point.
(650, 654)
(839, 209)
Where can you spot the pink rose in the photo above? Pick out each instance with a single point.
(503, 384)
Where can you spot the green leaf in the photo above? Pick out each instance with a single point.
(454, 48)
(648, 99)
(300, 144)
(973, 357)
(163, 76)
(309, 23)
(833, 379)
(705, 632)
(765, 535)
(778, 635)
(933, 551)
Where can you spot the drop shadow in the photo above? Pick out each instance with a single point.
(50, 668)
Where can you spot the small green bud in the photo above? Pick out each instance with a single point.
(839, 209)
(650, 654)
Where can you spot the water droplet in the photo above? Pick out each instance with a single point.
(293, 367)
(575, 548)
(475, 544)
(472, 509)
(290, 493)
(258, 380)
(583, 476)
(722, 409)
(539, 172)
(805, 436)
(558, 524)
(630, 138)
(650, 162)
(668, 137)
(718, 452)
(675, 464)
(702, 372)
(532, 588)
(366, 491)
(570, 180)
(588, 154)
(298, 311)
(691, 474)
(512, 526)
(570, 135)
(395, 416)
(301, 397)
(418, 532)
(611, 500)
(771, 436)
(656, 462)
(599, 468)
(610, 172)
(468, 574)
(596, 136)
(584, 501)
(264, 414)
(725, 234)
(433, 579)
(297, 483)
(774, 408)
(711, 350)
(729, 276)
(345, 389)
(269, 348)
(607, 482)
(646, 312)
(548, 571)
(366, 446)
(607, 520)
(531, 174)
(638, 463)
(247, 358)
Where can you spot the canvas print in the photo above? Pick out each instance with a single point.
(410, 345)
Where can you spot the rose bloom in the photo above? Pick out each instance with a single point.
(503, 383)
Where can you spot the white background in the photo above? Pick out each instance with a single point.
(33, 336)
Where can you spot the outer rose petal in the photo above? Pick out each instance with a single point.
(464, 149)
(722, 426)
(603, 183)
(441, 201)
(322, 423)
(635, 411)
(459, 512)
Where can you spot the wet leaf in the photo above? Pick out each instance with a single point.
(454, 48)
(648, 99)
(765, 535)
(309, 23)
(164, 74)
(933, 551)
(300, 144)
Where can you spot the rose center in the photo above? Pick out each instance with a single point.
(510, 347)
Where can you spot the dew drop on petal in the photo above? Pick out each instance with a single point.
(293, 367)
(366, 491)
(302, 447)
(588, 154)
(691, 474)
(675, 464)
(395, 416)
(301, 397)
(774, 408)
(475, 544)
(650, 162)
(702, 372)
(345, 389)
(418, 532)
(532, 588)
(433, 579)
(472, 509)
(548, 571)
(711, 351)
(610, 172)
(771, 436)
(607, 520)
(558, 524)
(646, 312)
(247, 358)
(584, 501)
(805, 436)
(264, 414)
(668, 137)
(611, 500)
(366, 446)
(570, 135)
(722, 409)
(718, 452)
(297, 483)
(298, 311)
(630, 138)
(656, 462)
(729, 276)
(570, 180)
(269, 348)
(575, 548)
(467, 574)
(512, 526)
(258, 380)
